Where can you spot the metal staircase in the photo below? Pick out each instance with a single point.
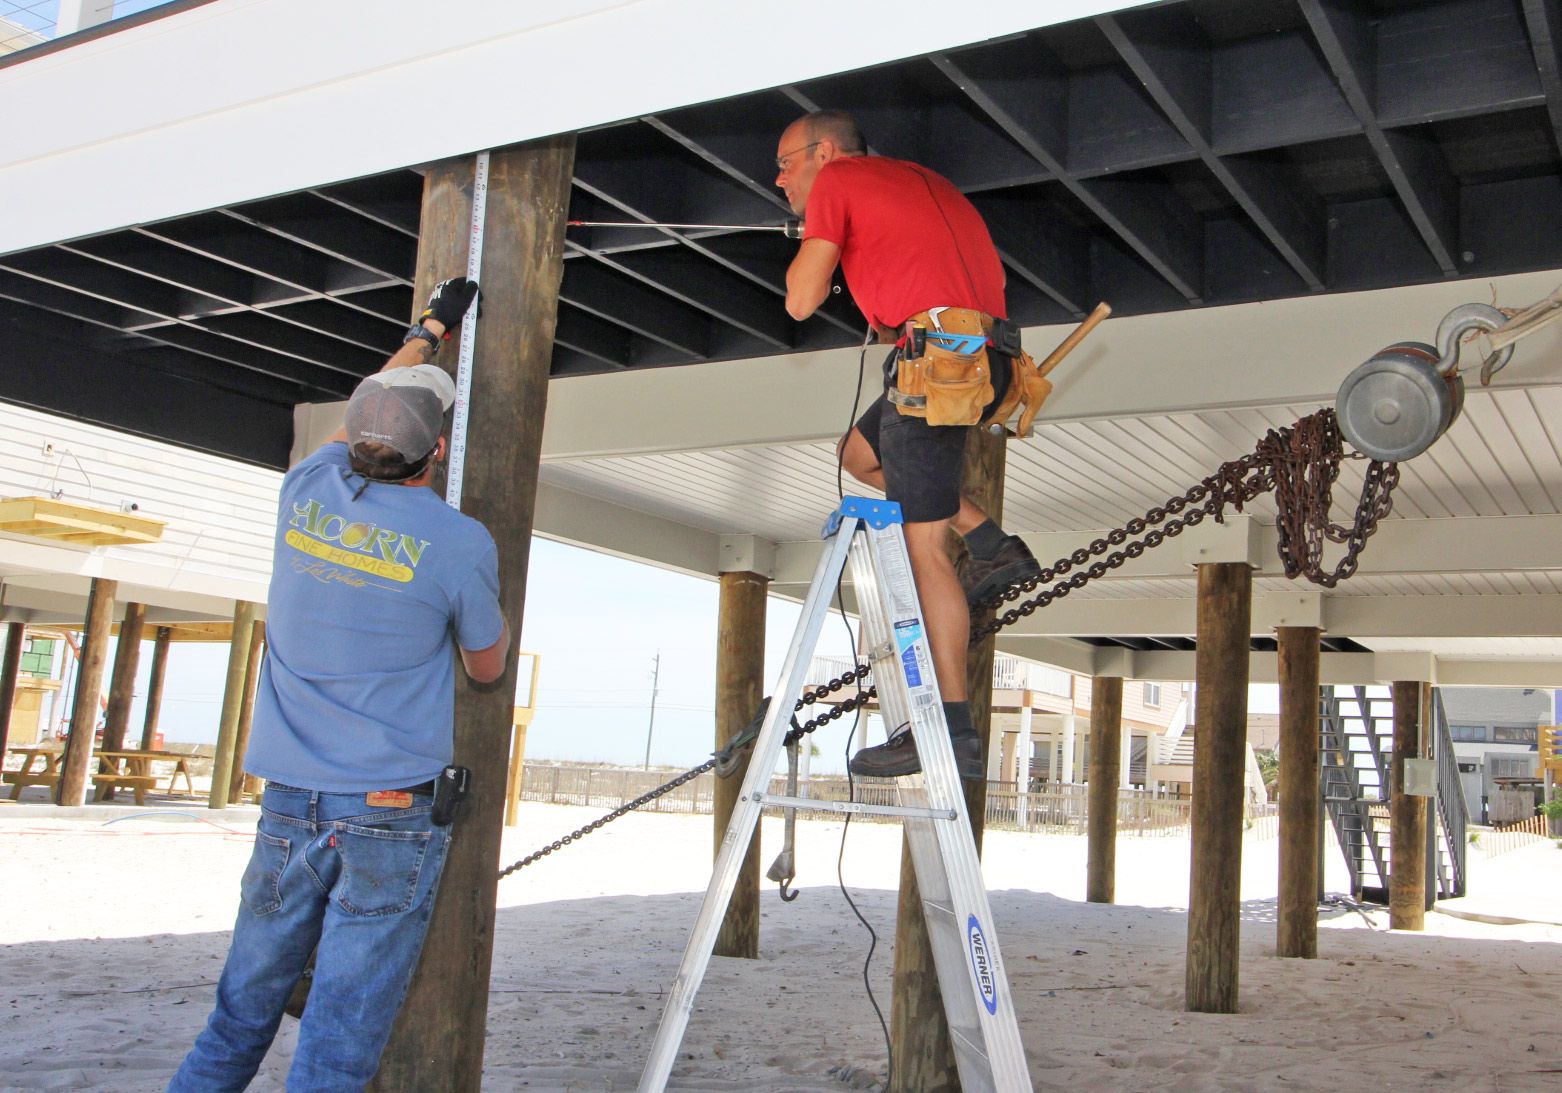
(1357, 747)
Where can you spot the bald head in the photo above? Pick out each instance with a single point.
(807, 145)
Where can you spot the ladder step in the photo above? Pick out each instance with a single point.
(856, 808)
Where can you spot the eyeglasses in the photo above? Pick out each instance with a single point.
(781, 159)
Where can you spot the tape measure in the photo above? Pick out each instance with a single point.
(455, 470)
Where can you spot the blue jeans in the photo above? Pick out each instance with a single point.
(357, 881)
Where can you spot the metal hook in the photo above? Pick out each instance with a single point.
(1460, 321)
(784, 869)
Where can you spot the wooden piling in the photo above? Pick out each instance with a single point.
(232, 701)
(154, 688)
(77, 762)
(1106, 720)
(919, 1032)
(122, 680)
(10, 667)
(1296, 929)
(257, 647)
(1225, 599)
(1407, 815)
(740, 684)
(437, 1042)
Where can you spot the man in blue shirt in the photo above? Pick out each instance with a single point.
(373, 578)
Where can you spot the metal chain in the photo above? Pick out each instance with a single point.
(1300, 463)
(579, 832)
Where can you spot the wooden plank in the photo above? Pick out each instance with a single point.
(15, 636)
(72, 787)
(740, 683)
(257, 646)
(127, 656)
(438, 1039)
(154, 690)
(1297, 915)
(232, 702)
(1225, 602)
(44, 517)
(1106, 723)
(1407, 814)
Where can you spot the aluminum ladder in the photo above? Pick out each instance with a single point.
(977, 1001)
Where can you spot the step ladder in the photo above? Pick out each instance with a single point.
(975, 989)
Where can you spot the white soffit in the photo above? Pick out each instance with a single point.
(241, 99)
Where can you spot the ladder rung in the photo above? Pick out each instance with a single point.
(777, 800)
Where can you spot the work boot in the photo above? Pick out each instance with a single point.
(897, 757)
(984, 578)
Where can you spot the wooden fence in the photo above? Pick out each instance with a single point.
(1057, 809)
(1505, 837)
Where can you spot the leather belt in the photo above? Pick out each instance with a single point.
(421, 787)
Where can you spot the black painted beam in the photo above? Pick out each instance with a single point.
(306, 220)
(1141, 212)
(138, 395)
(1413, 164)
(1543, 18)
(1164, 50)
(619, 298)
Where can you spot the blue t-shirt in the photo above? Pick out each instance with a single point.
(367, 590)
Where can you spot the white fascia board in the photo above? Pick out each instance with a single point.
(35, 565)
(1276, 353)
(1486, 544)
(241, 99)
(1359, 617)
(580, 520)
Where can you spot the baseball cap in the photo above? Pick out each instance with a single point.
(402, 408)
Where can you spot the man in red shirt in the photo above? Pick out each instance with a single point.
(908, 243)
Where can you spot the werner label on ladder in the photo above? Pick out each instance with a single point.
(975, 989)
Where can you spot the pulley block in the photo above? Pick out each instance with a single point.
(1395, 405)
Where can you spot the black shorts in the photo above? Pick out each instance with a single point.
(923, 463)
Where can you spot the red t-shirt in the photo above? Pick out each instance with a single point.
(909, 240)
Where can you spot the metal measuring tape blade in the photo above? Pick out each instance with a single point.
(456, 469)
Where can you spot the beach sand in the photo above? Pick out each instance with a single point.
(112, 935)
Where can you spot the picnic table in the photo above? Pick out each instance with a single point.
(40, 767)
(131, 768)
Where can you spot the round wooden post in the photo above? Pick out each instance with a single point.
(1406, 817)
(438, 1039)
(72, 786)
(122, 681)
(919, 1032)
(15, 635)
(232, 702)
(1225, 600)
(154, 689)
(1297, 918)
(740, 685)
(257, 646)
(1106, 719)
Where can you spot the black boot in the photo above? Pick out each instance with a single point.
(897, 756)
(984, 578)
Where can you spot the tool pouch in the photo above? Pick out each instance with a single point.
(450, 789)
(937, 383)
(1028, 389)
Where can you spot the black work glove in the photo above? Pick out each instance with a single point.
(449, 302)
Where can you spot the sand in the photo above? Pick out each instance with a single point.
(112, 935)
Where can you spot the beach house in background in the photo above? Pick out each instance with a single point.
(1496, 740)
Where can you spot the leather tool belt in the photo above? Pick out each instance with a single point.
(944, 373)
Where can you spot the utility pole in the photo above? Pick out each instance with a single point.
(656, 674)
